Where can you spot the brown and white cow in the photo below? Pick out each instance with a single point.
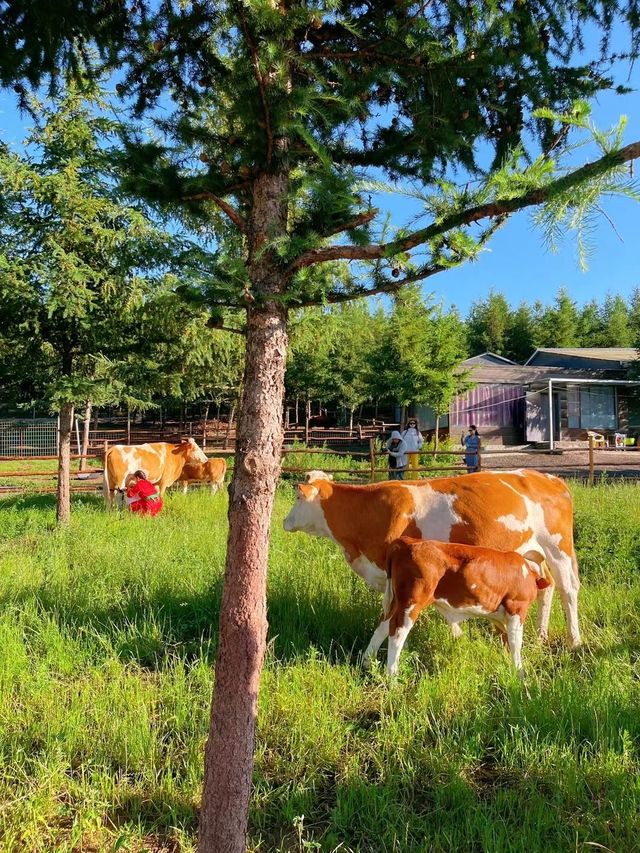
(508, 510)
(461, 582)
(212, 471)
(162, 462)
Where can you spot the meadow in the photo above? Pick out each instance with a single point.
(107, 640)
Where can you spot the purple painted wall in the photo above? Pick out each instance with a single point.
(490, 405)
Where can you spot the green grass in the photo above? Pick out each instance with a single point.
(108, 634)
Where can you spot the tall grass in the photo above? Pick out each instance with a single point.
(107, 638)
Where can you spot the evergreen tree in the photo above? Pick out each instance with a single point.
(520, 334)
(616, 330)
(560, 322)
(634, 317)
(590, 324)
(70, 263)
(487, 325)
(280, 109)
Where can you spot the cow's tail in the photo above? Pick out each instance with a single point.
(106, 489)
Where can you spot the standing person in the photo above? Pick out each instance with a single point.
(414, 441)
(397, 449)
(143, 496)
(471, 443)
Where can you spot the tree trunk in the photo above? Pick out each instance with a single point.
(204, 427)
(63, 492)
(436, 438)
(243, 621)
(86, 426)
(243, 617)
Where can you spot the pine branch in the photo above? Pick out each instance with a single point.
(361, 219)
(490, 210)
(224, 206)
(256, 67)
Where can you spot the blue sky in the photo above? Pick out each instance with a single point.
(517, 261)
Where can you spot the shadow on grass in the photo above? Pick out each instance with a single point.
(46, 502)
(150, 629)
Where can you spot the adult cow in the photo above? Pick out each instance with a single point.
(507, 510)
(162, 462)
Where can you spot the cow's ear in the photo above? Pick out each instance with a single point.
(307, 492)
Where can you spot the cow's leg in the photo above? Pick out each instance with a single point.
(564, 572)
(456, 630)
(545, 597)
(379, 636)
(119, 499)
(398, 633)
(514, 635)
(185, 488)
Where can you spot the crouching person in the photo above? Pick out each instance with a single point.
(461, 581)
(143, 497)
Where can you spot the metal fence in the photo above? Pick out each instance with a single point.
(25, 438)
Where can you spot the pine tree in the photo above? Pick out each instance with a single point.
(487, 325)
(70, 264)
(280, 110)
(520, 334)
(616, 330)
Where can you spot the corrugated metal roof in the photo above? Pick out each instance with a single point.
(488, 358)
(606, 353)
(491, 374)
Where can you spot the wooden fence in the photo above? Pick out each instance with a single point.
(372, 465)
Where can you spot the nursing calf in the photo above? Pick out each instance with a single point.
(212, 472)
(460, 581)
(506, 510)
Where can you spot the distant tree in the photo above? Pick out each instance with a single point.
(520, 337)
(444, 380)
(71, 255)
(560, 322)
(634, 316)
(590, 324)
(616, 328)
(487, 325)
(350, 357)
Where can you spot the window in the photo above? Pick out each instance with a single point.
(598, 408)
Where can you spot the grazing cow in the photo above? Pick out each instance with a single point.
(508, 510)
(460, 581)
(162, 462)
(212, 471)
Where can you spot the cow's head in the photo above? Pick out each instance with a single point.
(190, 450)
(307, 514)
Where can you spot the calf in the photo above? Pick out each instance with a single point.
(460, 581)
(212, 471)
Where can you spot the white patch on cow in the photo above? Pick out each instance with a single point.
(433, 512)
(513, 523)
(473, 586)
(388, 597)
(460, 614)
(525, 571)
(307, 516)
(371, 574)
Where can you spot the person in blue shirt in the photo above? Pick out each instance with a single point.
(471, 443)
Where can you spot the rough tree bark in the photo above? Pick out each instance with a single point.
(63, 492)
(86, 426)
(243, 618)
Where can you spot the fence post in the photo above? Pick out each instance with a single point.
(372, 459)
(591, 467)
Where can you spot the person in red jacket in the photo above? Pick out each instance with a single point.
(143, 496)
